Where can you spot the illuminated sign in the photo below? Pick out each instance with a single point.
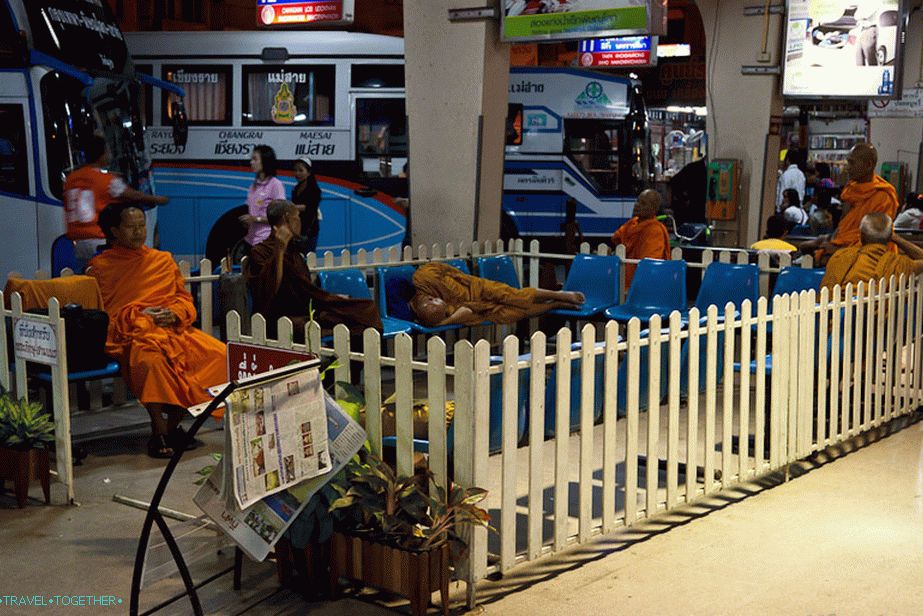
(679, 50)
(620, 51)
(842, 48)
(301, 12)
(550, 20)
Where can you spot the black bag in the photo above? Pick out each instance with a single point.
(85, 332)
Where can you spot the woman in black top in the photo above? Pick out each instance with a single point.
(306, 195)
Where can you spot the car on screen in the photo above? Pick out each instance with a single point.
(874, 37)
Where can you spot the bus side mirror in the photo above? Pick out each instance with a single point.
(180, 123)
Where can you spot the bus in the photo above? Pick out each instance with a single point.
(336, 98)
(65, 74)
(578, 134)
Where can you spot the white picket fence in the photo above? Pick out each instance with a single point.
(824, 369)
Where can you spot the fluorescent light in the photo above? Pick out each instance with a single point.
(681, 50)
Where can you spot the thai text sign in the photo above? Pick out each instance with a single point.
(619, 51)
(288, 12)
(35, 341)
(245, 360)
(531, 20)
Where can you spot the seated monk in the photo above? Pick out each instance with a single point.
(447, 296)
(872, 259)
(166, 363)
(865, 193)
(643, 235)
(279, 280)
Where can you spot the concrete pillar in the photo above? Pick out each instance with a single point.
(740, 108)
(457, 75)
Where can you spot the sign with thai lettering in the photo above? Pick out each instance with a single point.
(548, 20)
(302, 12)
(619, 51)
(245, 360)
(35, 341)
(317, 143)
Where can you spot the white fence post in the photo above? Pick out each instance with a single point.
(510, 409)
(403, 408)
(536, 443)
(652, 448)
(610, 417)
(371, 346)
(632, 404)
(587, 388)
(561, 441)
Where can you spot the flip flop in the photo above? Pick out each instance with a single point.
(157, 447)
(177, 437)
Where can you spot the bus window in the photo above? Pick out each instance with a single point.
(208, 93)
(593, 145)
(14, 166)
(377, 76)
(381, 127)
(146, 97)
(69, 123)
(514, 124)
(12, 45)
(289, 95)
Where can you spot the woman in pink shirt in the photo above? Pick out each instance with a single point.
(266, 187)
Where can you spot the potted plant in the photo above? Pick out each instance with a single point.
(25, 431)
(398, 533)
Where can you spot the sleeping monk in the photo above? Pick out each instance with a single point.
(872, 259)
(865, 193)
(643, 235)
(166, 363)
(447, 296)
(280, 282)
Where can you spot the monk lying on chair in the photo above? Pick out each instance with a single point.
(166, 363)
(447, 296)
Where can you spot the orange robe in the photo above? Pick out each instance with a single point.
(864, 263)
(865, 198)
(161, 365)
(488, 300)
(643, 239)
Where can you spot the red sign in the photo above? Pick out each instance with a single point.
(245, 360)
(616, 58)
(288, 12)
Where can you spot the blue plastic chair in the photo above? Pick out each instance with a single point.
(63, 254)
(395, 290)
(499, 268)
(460, 264)
(597, 277)
(352, 282)
(728, 282)
(792, 279)
(658, 287)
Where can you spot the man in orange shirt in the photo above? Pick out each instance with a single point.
(644, 236)
(166, 362)
(87, 191)
(865, 193)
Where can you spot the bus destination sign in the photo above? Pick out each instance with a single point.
(304, 12)
(619, 51)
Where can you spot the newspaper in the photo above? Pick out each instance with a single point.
(257, 528)
(276, 435)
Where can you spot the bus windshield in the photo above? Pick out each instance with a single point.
(73, 113)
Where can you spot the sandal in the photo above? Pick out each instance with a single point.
(177, 438)
(157, 447)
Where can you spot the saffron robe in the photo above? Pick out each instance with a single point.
(488, 300)
(865, 198)
(864, 263)
(161, 365)
(297, 295)
(643, 239)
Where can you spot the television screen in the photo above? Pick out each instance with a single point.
(844, 48)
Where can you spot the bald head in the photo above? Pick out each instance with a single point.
(278, 210)
(648, 204)
(875, 228)
(861, 162)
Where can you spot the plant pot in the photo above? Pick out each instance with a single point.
(23, 466)
(415, 575)
(306, 570)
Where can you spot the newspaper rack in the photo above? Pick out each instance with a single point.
(154, 516)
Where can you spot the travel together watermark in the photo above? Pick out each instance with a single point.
(76, 601)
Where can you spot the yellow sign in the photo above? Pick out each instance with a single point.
(283, 111)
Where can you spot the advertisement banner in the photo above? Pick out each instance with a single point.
(301, 12)
(619, 51)
(843, 48)
(532, 20)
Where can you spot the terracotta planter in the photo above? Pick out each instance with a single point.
(415, 575)
(22, 467)
(305, 570)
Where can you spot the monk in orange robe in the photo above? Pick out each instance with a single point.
(865, 193)
(872, 259)
(447, 296)
(166, 363)
(643, 235)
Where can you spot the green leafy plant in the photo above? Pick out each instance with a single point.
(205, 471)
(23, 424)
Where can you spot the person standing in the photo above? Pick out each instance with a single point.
(792, 178)
(266, 188)
(87, 192)
(306, 196)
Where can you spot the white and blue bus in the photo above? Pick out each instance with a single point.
(65, 74)
(342, 106)
(573, 133)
